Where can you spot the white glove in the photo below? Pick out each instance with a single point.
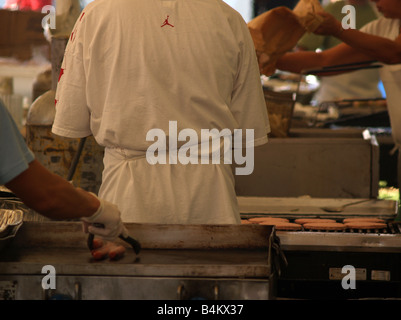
(109, 216)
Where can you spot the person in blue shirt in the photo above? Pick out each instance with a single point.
(47, 193)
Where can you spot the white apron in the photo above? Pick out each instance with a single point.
(169, 194)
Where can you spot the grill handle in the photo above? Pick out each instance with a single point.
(180, 292)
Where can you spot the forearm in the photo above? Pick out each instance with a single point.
(338, 55)
(381, 49)
(63, 201)
(374, 47)
(51, 195)
(297, 62)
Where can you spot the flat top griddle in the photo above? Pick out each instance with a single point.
(386, 240)
(163, 263)
(168, 251)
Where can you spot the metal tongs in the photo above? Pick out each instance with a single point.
(131, 241)
(371, 64)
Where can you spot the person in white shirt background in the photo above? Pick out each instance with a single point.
(360, 84)
(378, 40)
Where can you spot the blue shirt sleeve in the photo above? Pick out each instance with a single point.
(15, 155)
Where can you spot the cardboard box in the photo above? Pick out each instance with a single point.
(20, 31)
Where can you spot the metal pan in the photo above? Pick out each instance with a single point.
(11, 221)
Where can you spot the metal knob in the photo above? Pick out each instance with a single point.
(216, 292)
(180, 290)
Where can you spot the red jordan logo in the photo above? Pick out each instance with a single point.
(166, 23)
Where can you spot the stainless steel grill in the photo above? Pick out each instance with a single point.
(176, 262)
(316, 258)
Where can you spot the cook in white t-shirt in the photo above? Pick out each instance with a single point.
(379, 40)
(133, 66)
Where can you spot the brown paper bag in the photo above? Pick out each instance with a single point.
(277, 31)
(306, 11)
(274, 33)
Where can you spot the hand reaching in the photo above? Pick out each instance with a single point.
(109, 217)
(330, 26)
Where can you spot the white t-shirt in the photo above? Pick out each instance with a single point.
(390, 74)
(132, 66)
(124, 74)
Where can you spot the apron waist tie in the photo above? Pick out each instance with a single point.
(188, 155)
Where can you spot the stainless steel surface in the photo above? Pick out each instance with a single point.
(341, 208)
(234, 262)
(340, 242)
(316, 259)
(308, 207)
(382, 240)
(63, 234)
(320, 166)
(150, 263)
(132, 288)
